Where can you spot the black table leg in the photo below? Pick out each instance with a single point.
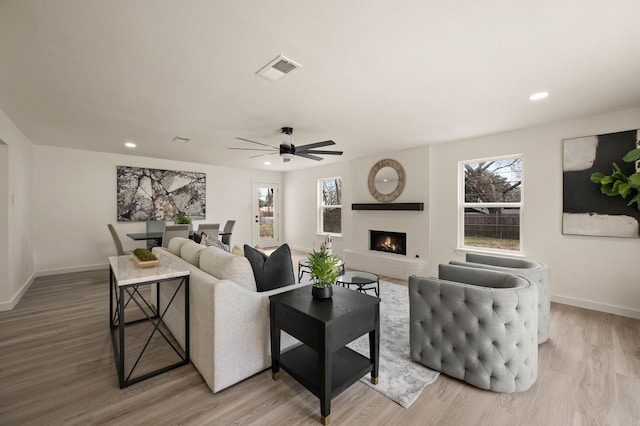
(275, 345)
(121, 324)
(326, 368)
(374, 347)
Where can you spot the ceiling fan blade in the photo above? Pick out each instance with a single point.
(321, 152)
(315, 145)
(309, 156)
(253, 149)
(259, 143)
(262, 155)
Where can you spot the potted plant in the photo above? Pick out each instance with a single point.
(182, 219)
(324, 271)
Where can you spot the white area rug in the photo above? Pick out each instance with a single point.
(400, 379)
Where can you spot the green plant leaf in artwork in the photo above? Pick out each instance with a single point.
(596, 177)
(623, 189)
(618, 183)
(633, 155)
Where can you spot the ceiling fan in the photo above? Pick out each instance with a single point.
(287, 150)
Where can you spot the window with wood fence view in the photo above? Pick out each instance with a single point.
(492, 203)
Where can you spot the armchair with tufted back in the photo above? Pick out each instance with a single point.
(535, 271)
(476, 325)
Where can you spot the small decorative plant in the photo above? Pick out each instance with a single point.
(182, 218)
(617, 183)
(144, 254)
(323, 268)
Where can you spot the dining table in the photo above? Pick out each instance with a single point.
(141, 236)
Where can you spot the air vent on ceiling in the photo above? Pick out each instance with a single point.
(180, 139)
(278, 68)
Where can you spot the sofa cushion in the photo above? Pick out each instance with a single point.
(226, 266)
(176, 243)
(271, 271)
(190, 251)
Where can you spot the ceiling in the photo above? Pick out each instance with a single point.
(376, 76)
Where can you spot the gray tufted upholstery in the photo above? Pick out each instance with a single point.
(535, 271)
(476, 325)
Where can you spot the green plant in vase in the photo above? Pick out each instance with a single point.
(324, 271)
(182, 219)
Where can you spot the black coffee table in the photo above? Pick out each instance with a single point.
(323, 364)
(363, 280)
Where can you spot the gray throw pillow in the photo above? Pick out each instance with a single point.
(271, 271)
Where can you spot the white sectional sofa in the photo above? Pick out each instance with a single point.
(229, 318)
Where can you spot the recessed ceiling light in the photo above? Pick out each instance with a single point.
(538, 96)
(180, 139)
(130, 144)
(267, 163)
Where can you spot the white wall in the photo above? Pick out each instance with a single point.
(300, 211)
(16, 247)
(416, 190)
(593, 272)
(300, 201)
(76, 199)
(5, 293)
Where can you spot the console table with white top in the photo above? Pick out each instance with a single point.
(125, 280)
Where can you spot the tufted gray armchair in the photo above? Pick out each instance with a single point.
(476, 325)
(535, 271)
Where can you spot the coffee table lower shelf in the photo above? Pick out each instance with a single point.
(348, 367)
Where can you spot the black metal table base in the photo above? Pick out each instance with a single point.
(124, 295)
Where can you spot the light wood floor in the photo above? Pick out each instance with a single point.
(57, 367)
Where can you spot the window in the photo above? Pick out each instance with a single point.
(491, 204)
(330, 206)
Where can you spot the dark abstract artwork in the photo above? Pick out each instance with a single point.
(152, 194)
(586, 210)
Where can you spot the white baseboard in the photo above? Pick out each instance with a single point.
(595, 306)
(7, 306)
(304, 249)
(71, 269)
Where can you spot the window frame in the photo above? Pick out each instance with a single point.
(462, 205)
(321, 207)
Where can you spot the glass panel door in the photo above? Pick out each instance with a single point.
(265, 205)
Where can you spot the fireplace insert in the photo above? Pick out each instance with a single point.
(388, 242)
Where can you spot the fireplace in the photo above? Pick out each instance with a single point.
(388, 242)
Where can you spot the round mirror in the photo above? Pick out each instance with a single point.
(386, 180)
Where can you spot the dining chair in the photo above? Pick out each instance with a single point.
(154, 226)
(172, 231)
(228, 227)
(116, 240)
(211, 229)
